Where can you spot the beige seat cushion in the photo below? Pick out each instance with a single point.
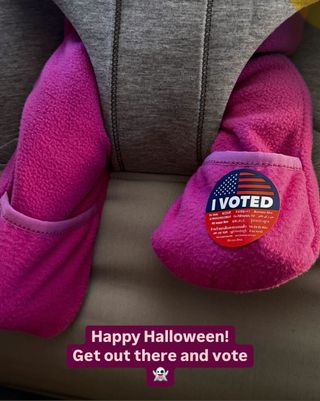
(130, 286)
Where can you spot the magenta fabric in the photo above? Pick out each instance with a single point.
(267, 127)
(52, 193)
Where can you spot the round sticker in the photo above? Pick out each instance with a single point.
(242, 207)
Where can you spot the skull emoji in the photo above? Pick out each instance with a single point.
(160, 375)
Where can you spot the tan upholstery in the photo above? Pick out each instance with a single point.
(130, 286)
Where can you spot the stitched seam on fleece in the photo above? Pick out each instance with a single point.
(204, 79)
(27, 229)
(114, 83)
(51, 233)
(76, 224)
(235, 163)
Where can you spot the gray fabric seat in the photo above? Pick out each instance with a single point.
(133, 287)
(166, 69)
(30, 31)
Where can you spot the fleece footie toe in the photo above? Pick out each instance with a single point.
(51, 197)
(249, 217)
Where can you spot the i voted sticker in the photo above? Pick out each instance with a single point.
(242, 207)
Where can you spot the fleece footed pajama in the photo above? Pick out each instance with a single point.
(248, 219)
(52, 193)
(53, 190)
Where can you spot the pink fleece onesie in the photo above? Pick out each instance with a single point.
(53, 189)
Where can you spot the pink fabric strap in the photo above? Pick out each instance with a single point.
(255, 158)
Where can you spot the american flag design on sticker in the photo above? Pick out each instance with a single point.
(242, 207)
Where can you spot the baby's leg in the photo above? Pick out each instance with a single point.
(249, 217)
(52, 193)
